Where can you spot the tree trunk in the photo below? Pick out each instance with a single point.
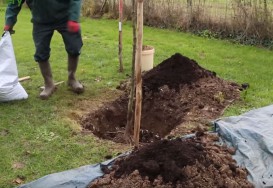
(138, 105)
(130, 121)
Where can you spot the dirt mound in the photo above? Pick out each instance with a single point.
(191, 163)
(161, 158)
(175, 72)
(175, 92)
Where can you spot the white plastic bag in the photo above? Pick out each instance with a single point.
(10, 88)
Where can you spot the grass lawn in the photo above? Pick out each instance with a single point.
(42, 137)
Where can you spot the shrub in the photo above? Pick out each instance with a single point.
(245, 21)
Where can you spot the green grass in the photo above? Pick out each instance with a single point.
(44, 136)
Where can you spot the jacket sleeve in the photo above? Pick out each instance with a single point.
(75, 10)
(12, 11)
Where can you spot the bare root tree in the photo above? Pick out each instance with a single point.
(130, 112)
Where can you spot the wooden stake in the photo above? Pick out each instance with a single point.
(120, 35)
(24, 78)
(56, 84)
(138, 105)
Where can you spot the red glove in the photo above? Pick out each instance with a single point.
(73, 26)
(7, 28)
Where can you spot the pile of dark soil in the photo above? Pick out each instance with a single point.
(176, 92)
(185, 163)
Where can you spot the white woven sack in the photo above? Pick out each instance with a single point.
(10, 88)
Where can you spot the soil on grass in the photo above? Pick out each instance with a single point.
(178, 96)
(183, 163)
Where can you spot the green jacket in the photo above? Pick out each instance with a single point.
(45, 11)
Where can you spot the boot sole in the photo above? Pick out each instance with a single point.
(77, 90)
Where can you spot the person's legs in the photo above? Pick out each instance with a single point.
(42, 36)
(73, 44)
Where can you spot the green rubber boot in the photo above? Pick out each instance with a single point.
(48, 80)
(74, 84)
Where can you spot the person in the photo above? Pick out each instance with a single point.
(48, 16)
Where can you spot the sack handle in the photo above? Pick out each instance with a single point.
(4, 33)
(11, 32)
